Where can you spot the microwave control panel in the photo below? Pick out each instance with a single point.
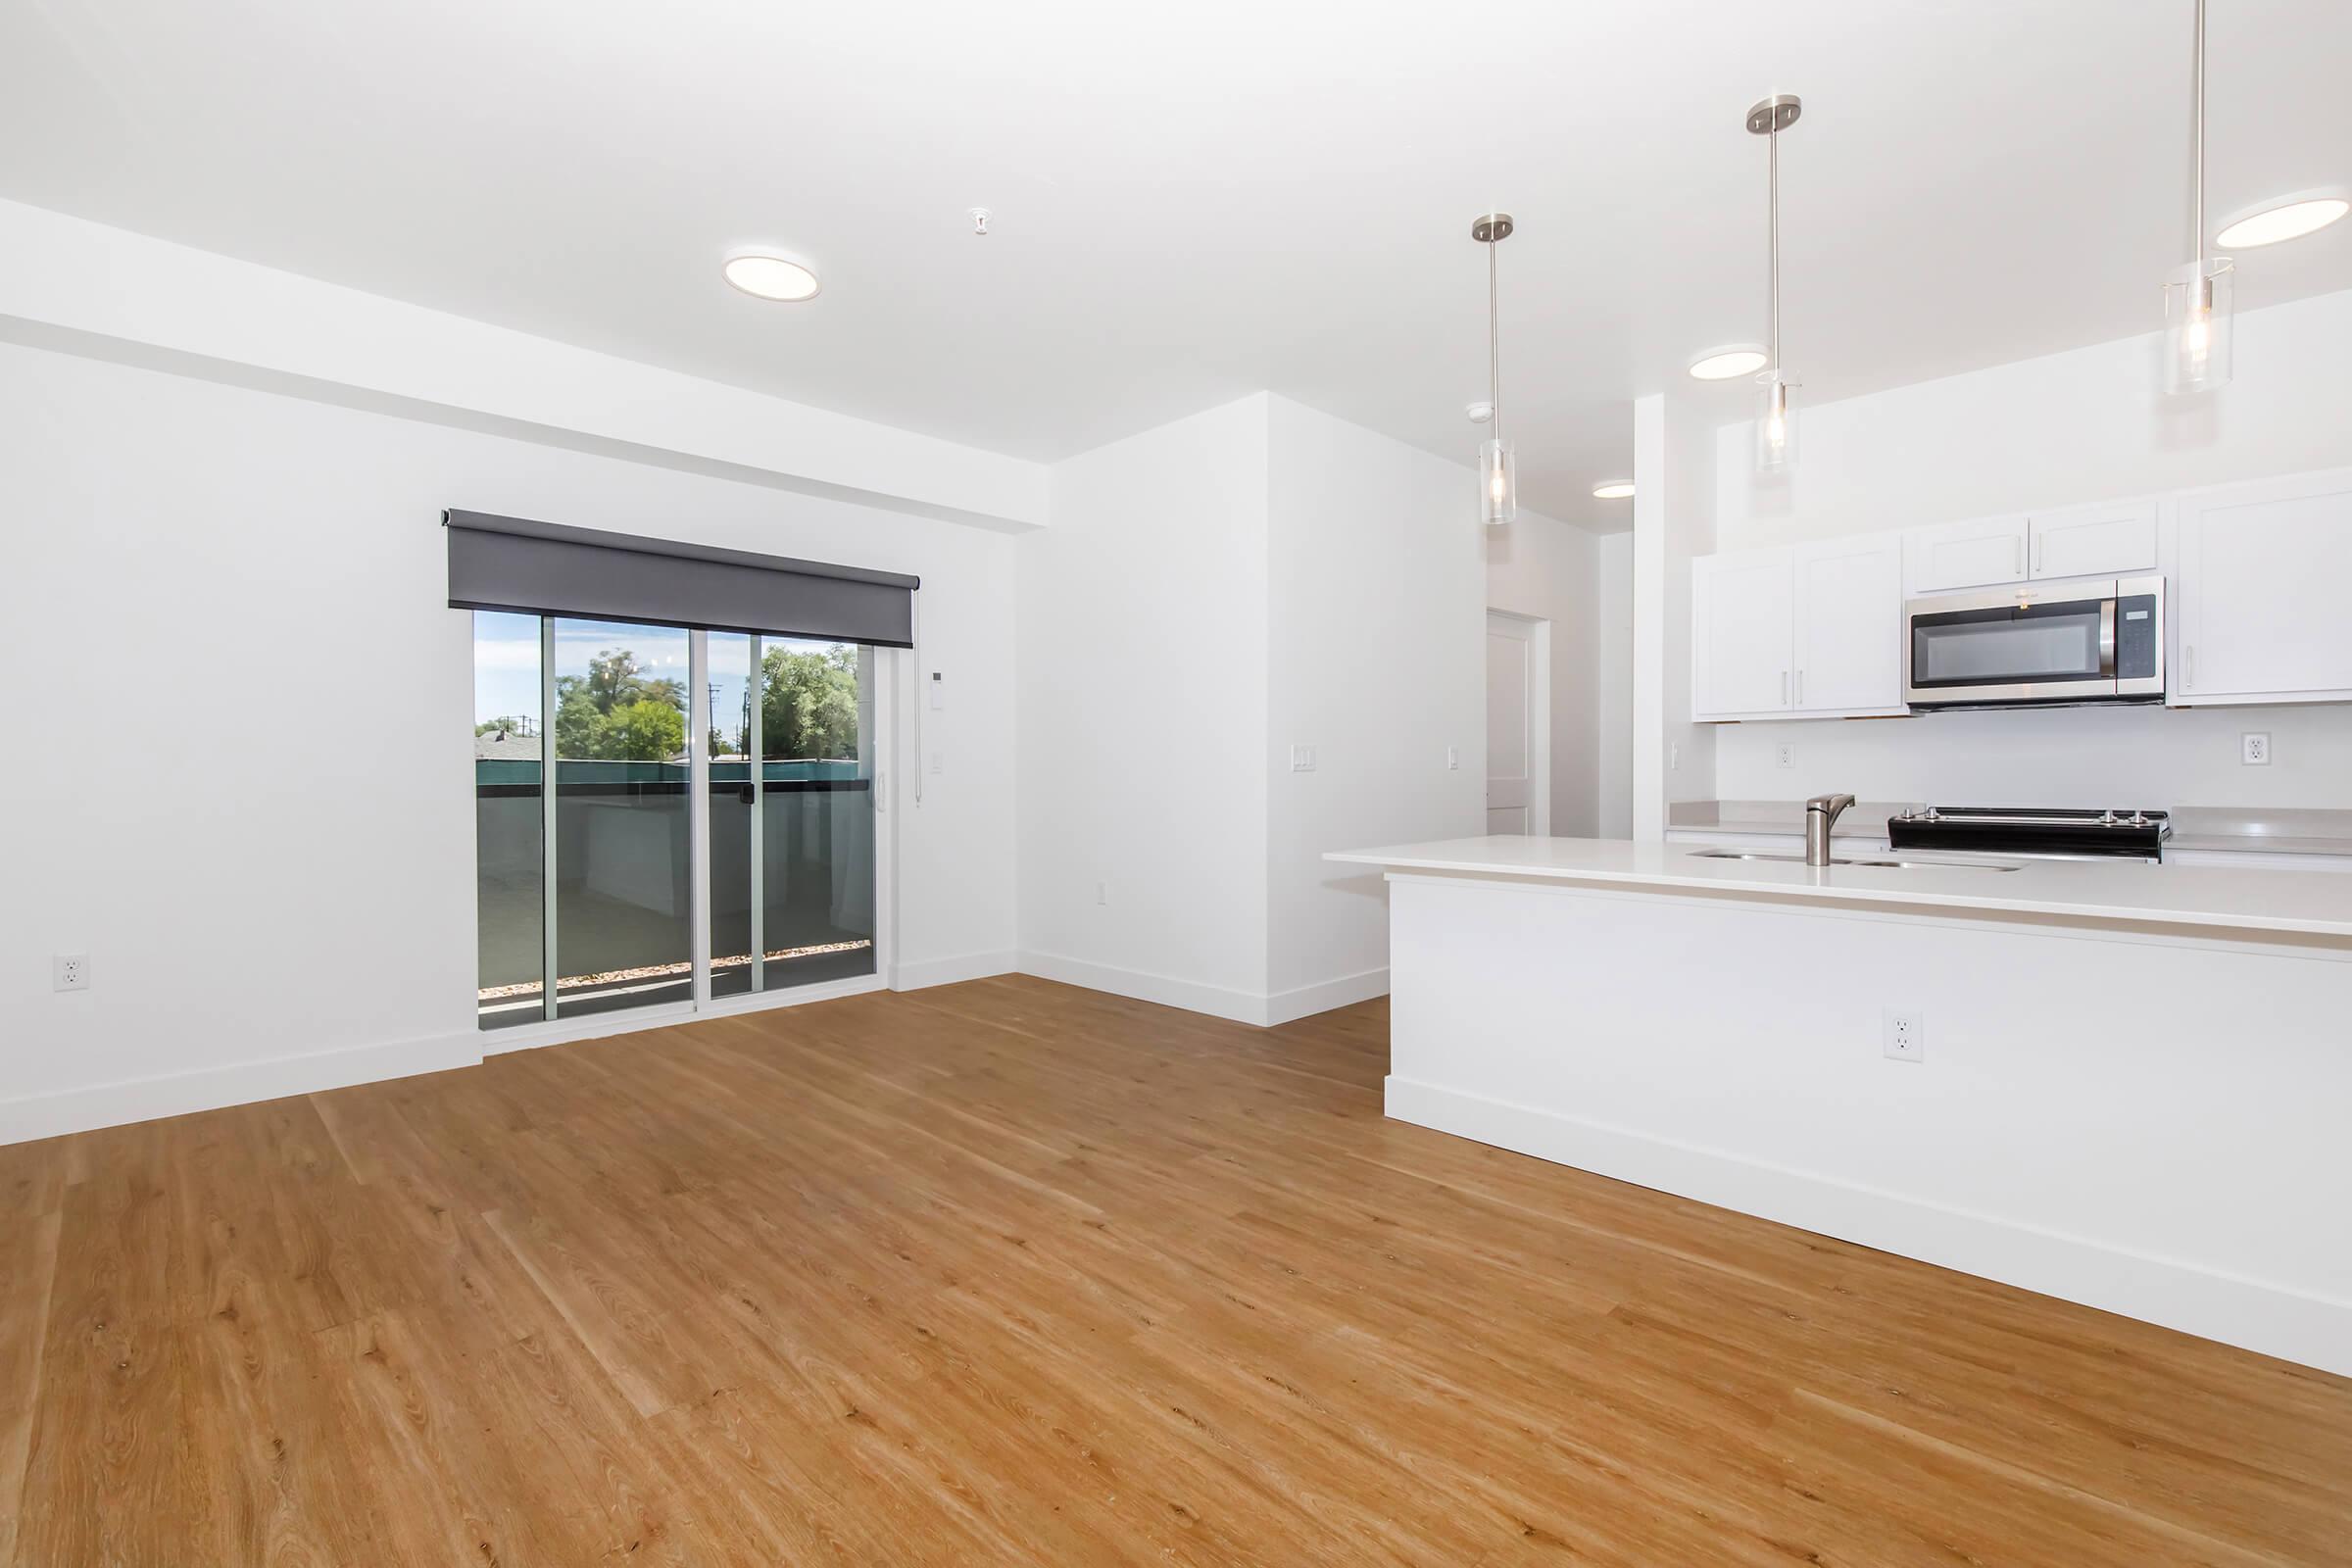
(2135, 637)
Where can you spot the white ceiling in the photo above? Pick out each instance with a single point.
(1196, 200)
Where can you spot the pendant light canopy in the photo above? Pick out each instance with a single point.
(1776, 421)
(1498, 469)
(2197, 297)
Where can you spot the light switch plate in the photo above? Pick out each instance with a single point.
(1303, 759)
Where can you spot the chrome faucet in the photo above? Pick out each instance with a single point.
(1821, 815)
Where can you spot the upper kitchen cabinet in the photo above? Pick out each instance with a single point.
(2109, 540)
(2115, 539)
(1809, 631)
(1849, 626)
(2259, 600)
(1743, 634)
(1965, 555)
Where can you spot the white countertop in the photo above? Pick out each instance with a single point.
(2092, 892)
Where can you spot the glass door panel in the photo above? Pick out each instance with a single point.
(733, 821)
(624, 890)
(816, 808)
(510, 889)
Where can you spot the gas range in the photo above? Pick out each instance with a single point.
(2045, 832)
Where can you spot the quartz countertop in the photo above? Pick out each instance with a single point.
(2122, 894)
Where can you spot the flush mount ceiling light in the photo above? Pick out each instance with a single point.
(2284, 217)
(1612, 489)
(1730, 361)
(1776, 425)
(1497, 473)
(2197, 297)
(770, 278)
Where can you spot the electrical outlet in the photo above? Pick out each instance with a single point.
(2254, 748)
(72, 971)
(1784, 755)
(1906, 1037)
(1303, 759)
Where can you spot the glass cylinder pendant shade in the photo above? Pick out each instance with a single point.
(2196, 325)
(1497, 483)
(1776, 425)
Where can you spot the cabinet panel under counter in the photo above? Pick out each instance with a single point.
(2096, 1113)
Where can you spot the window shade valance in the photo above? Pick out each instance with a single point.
(548, 569)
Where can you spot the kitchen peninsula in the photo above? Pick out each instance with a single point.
(2118, 1083)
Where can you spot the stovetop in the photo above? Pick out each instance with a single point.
(2102, 832)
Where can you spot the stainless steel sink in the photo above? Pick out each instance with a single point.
(1798, 859)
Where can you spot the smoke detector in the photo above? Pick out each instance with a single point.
(1480, 411)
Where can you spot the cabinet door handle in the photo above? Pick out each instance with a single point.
(2021, 558)
(1800, 688)
(1784, 688)
(2040, 551)
(2188, 674)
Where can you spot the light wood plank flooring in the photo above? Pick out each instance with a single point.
(1014, 1273)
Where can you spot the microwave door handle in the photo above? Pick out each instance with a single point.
(2107, 639)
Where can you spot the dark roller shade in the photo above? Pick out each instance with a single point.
(547, 569)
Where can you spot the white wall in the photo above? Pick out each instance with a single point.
(2090, 424)
(1378, 660)
(1552, 570)
(1674, 522)
(1613, 703)
(112, 294)
(2135, 757)
(1142, 671)
(2085, 426)
(246, 791)
(1210, 594)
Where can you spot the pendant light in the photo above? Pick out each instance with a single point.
(2197, 297)
(1776, 421)
(1497, 468)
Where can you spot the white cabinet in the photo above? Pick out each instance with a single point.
(1849, 624)
(2260, 612)
(1743, 634)
(2112, 539)
(2115, 539)
(1965, 555)
(1800, 632)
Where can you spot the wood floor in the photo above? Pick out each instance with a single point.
(1014, 1273)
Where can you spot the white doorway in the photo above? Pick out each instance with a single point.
(1518, 724)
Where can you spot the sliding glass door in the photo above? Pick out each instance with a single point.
(596, 886)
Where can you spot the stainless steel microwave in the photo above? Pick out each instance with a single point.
(2035, 643)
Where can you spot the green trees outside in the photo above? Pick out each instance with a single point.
(618, 711)
(807, 709)
(807, 702)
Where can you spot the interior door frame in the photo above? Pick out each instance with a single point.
(1538, 632)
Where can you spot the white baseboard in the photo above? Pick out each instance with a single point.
(1218, 1001)
(950, 971)
(2250, 1313)
(116, 1104)
(1241, 1007)
(243, 1083)
(1304, 1001)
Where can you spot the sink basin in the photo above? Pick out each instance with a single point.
(1798, 859)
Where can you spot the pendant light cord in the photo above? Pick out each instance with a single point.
(2198, 240)
(1493, 338)
(1773, 242)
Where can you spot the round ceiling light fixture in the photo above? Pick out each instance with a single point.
(2284, 217)
(767, 276)
(1612, 489)
(1730, 361)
